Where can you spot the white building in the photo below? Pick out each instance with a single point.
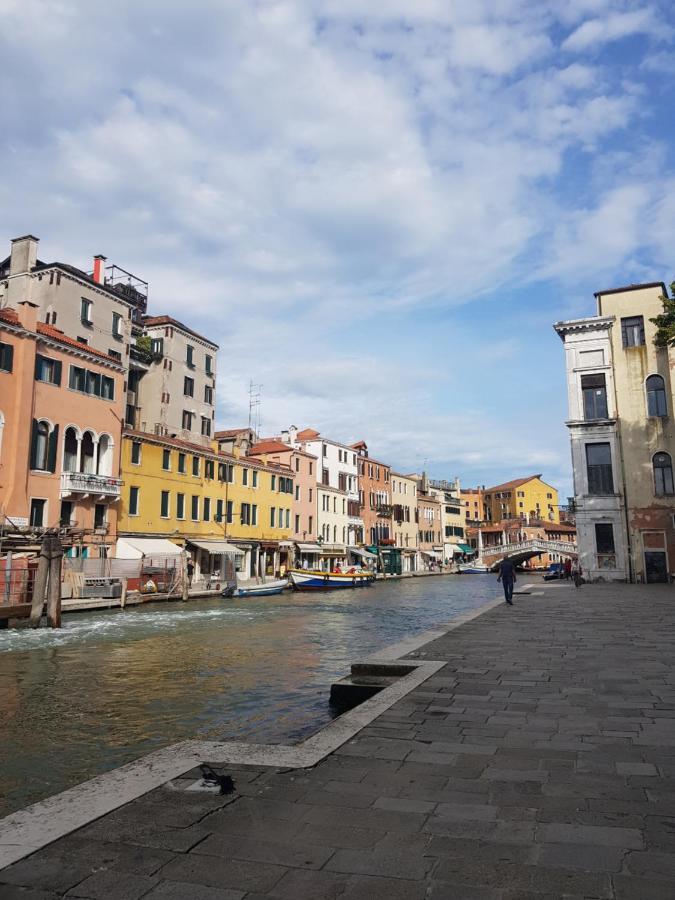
(620, 397)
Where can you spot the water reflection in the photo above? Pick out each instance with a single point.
(112, 686)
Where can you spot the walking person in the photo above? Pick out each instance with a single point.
(578, 580)
(507, 576)
(567, 569)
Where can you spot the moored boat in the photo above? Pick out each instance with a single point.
(312, 580)
(263, 589)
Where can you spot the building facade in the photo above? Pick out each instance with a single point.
(523, 498)
(374, 482)
(452, 518)
(430, 526)
(405, 520)
(333, 525)
(61, 406)
(620, 399)
(474, 509)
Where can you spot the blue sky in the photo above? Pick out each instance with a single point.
(378, 213)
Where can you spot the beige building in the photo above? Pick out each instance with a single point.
(452, 518)
(621, 402)
(94, 308)
(404, 520)
(333, 525)
(176, 395)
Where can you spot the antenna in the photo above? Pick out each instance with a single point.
(254, 405)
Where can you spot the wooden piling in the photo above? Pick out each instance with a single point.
(54, 598)
(40, 584)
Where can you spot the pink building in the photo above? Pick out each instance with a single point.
(303, 466)
(61, 413)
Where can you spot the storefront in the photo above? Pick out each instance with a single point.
(365, 557)
(214, 563)
(307, 556)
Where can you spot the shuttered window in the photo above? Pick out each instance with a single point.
(6, 357)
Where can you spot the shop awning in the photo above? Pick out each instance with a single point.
(285, 545)
(308, 548)
(465, 548)
(216, 548)
(363, 554)
(138, 548)
(335, 550)
(433, 554)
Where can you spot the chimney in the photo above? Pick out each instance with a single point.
(99, 267)
(27, 313)
(284, 436)
(23, 255)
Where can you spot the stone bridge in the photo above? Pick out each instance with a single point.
(519, 551)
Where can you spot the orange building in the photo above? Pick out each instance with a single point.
(474, 506)
(61, 413)
(374, 497)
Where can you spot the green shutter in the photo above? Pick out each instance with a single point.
(57, 371)
(33, 444)
(51, 450)
(38, 363)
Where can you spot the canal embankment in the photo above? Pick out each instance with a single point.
(532, 757)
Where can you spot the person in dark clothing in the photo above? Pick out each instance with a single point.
(507, 576)
(567, 569)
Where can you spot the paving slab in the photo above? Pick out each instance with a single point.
(533, 759)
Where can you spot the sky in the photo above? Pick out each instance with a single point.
(376, 209)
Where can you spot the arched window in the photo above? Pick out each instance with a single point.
(87, 454)
(43, 446)
(70, 450)
(663, 474)
(105, 452)
(656, 396)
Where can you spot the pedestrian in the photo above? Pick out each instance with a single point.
(507, 576)
(567, 569)
(190, 570)
(577, 576)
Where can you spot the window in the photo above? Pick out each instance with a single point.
(656, 396)
(82, 340)
(230, 512)
(89, 382)
(206, 513)
(181, 464)
(273, 517)
(297, 524)
(6, 357)
(208, 364)
(134, 495)
(255, 478)
(594, 393)
(195, 466)
(288, 518)
(633, 331)
(274, 482)
(136, 453)
(219, 510)
(86, 311)
(208, 394)
(663, 474)
(100, 510)
(325, 449)
(254, 514)
(37, 513)
(66, 516)
(297, 464)
(188, 386)
(43, 446)
(297, 492)
(117, 326)
(604, 543)
(189, 358)
(195, 508)
(311, 524)
(47, 370)
(187, 420)
(244, 476)
(245, 513)
(157, 346)
(164, 505)
(206, 426)
(180, 506)
(208, 468)
(311, 468)
(166, 460)
(115, 354)
(599, 469)
(226, 472)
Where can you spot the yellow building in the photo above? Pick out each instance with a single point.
(522, 498)
(208, 502)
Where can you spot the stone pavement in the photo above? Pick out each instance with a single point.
(538, 763)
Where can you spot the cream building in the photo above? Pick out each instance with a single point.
(405, 529)
(453, 521)
(621, 400)
(176, 396)
(332, 524)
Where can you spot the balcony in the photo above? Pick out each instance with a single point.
(385, 511)
(84, 485)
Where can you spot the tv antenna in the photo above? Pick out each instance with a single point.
(254, 406)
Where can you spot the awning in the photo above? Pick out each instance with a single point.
(363, 554)
(285, 545)
(432, 553)
(216, 548)
(138, 548)
(308, 548)
(335, 550)
(465, 548)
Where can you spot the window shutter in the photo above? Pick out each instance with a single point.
(57, 371)
(38, 362)
(51, 450)
(33, 444)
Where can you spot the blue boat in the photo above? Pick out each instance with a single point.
(264, 589)
(308, 580)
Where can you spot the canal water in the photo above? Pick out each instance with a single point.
(111, 686)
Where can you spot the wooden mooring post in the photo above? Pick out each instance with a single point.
(47, 584)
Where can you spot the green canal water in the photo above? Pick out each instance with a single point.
(111, 686)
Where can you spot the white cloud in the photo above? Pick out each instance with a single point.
(594, 33)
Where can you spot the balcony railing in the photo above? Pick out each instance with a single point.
(83, 483)
(385, 511)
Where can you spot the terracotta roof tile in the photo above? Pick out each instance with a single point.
(228, 433)
(57, 335)
(512, 484)
(308, 434)
(9, 315)
(270, 446)
(169, 320)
